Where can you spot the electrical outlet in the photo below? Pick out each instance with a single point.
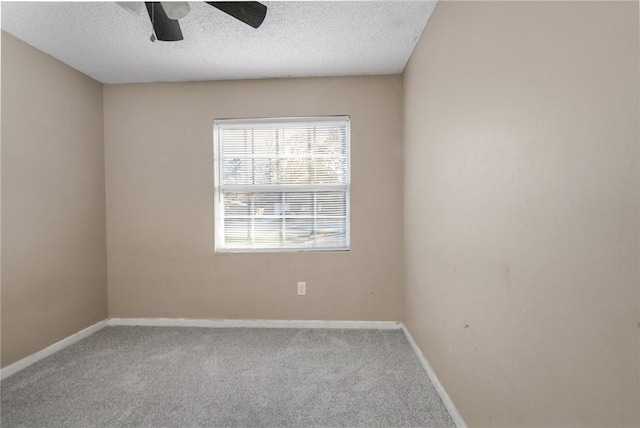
(302, 288)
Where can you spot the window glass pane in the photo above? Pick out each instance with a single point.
(293, 171)
(329, 141)
(237, 142)
(331, 204)
(330, 232)
(298, 232)
(267, 204)
(268, 232)
(265, 171)
(295, 141)
(265, 142)
(237, 232)
(299, 203)
(237, 171)
(328, 170)
(236, 204)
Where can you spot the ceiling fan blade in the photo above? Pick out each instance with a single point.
(166, 29)
(250, 12)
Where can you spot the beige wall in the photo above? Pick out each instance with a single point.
(53, 209)
(521, 210)
(159, 173)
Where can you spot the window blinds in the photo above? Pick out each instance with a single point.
(282, 184)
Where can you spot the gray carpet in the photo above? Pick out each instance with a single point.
(180, 377)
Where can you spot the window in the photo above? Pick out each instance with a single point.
(282, 184)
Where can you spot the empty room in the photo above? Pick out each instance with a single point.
(338, 214)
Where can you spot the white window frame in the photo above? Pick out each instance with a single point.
(219, 124)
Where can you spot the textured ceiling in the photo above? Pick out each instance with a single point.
(297, 39)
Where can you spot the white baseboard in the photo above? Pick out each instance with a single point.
(51, 349)
(453, 411)
(226, 323)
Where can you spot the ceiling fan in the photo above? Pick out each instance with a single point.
(164, 15)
